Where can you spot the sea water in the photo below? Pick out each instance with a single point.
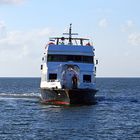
(116, 116)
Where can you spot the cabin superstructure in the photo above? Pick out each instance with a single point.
(68, 63)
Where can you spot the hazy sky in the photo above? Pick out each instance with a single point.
(113, 25)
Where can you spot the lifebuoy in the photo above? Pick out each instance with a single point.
(51, 43)
(88, 44)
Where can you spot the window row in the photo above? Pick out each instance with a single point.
(74, 58)
(86, 78)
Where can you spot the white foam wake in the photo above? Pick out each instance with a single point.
(19, 95)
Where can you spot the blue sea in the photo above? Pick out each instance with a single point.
(115, 116)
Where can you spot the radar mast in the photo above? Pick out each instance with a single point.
(70, 34)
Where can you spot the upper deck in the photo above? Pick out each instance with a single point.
(70, 45)
(70, 40)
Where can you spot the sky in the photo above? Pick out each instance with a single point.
(112, 25)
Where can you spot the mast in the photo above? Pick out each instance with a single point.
(70, 34)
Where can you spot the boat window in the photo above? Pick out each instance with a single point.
(41, 67)
(74, 58)
(87, 78)
(52, 76)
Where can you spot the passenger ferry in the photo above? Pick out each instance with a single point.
(68, 71)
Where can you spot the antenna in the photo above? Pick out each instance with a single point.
(70, 34)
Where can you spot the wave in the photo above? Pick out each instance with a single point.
(19, 95)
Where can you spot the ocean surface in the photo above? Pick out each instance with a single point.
(115, 116)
